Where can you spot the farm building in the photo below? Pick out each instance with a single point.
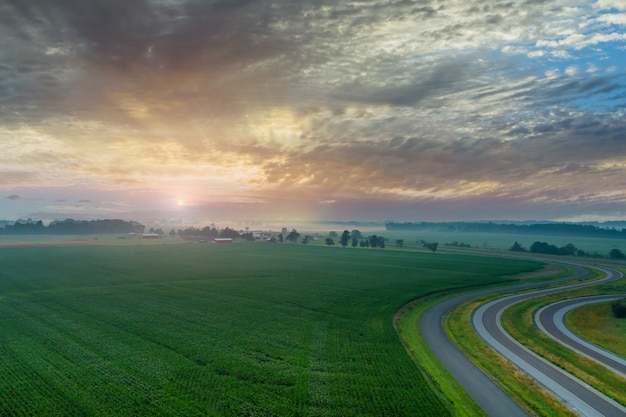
(222, 240)
(150, 236)
(261, 235)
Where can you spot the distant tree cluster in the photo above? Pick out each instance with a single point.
(432, 246)
(73, 227)
(293, 236)
(568, 250)
(429, 245)
(517, 247)
(207, 231)
(355, 239)
(212, 232)
(616, 254)
(458, 244)
(543, 247)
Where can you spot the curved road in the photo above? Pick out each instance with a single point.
(551, 321)
(480, 387)
(574, 393)
(486, 321)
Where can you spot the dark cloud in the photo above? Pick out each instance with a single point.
(14, 197)
(418, 87)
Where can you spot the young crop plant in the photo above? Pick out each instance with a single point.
(218, 330)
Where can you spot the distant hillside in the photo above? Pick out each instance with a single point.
(561, 229)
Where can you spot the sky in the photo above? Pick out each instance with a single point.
(282, 110)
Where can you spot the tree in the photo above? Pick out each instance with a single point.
(543, 247)
(247, 236)
(329, 241)
(381, 242)
(400, 242)
(568, 250)
(517, 248)
(281, 238)
(172, 233)
(373, 241)
(355, 241)
(227, 232)
(333, 234)
(356, 234)
(432, 246)
(345, 238)
(293, 236)
(306, 239)
(616, 254)
(619, 308)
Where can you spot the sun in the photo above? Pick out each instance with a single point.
(181, 202)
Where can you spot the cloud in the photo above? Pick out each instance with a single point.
(246, 100)
(14, 197)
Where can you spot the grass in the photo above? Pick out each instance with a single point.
(503, 241)
(407, 325)
(84, 240)
(219, 330)
(596, 323)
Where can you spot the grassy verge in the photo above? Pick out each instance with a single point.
(407, 326)
(515, 383)
(596, 323)
(519, 387)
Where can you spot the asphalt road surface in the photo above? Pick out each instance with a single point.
(551, 320)
(580, 397)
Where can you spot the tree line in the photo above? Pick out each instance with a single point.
(209, 232)
(567, 250)
(352, 238)
(72, 227)
(571, 229)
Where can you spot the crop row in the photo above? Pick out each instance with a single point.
(238, 330)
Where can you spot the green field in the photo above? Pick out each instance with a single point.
(503, 241)
(247, 329)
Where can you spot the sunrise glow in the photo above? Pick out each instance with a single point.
(398, 113)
